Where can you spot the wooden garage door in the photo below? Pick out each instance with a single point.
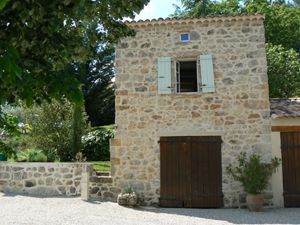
(290, 151)
(191, 174)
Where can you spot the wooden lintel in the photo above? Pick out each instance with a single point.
(285, 128)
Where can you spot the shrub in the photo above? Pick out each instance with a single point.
(56, 128)
(32, 155)
(96, 144)
(19, 143)
(8, 128)
(252, 172)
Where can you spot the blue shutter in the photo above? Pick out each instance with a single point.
(164, 75)
(207, 73)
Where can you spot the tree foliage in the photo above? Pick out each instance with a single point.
(96, 143)
(284, 72)
(41, 41)
(39, 38)
(282, 22)
(96, 77)
(56, 128)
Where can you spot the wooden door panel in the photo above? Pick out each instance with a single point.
(290, 152)
(191, 173)
(206, 183)
(170, 174)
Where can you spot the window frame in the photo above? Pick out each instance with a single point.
(167, 74)
(176, 74)
(188, 35)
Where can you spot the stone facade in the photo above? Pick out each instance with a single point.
(42, 179)
(238, 110)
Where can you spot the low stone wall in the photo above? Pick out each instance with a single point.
(43, 179)
(102, 188)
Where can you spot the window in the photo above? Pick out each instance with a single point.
(185, 76)
(184, 37)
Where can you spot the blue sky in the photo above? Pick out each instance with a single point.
(157, 8)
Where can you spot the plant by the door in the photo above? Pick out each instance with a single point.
(254, 175)
(128, 197)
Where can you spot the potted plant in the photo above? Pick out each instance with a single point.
(128, 198)
(254, 176)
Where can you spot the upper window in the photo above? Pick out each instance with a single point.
(184, 37)
(185, 76)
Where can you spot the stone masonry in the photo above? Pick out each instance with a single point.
(238, 110)
(42, 179)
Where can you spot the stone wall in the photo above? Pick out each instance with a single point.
(102, 188)
(42, 179)
(238, 110)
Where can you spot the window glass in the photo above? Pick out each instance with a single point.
(186, 76)
(184, 37)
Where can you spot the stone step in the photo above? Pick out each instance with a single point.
(102, 173)
(101, 179)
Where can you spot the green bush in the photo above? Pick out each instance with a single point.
(96, 144)
(252, 172)
(19, 143)
(57, 129)
(32, 155)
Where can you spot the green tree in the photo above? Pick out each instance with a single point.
(195, 8)
(56, 128)
(78, 129)
(283, 72)
(96, 76)
(296, 2)
(282, 22)
(39, 38)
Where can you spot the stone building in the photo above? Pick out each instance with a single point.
(191, 94)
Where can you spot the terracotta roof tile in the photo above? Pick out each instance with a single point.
(288, 107)
(175, 20)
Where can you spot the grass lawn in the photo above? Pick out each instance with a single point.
(101, 165)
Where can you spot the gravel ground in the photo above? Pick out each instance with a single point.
(25, 210)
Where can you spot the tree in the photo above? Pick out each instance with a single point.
(39, 38)
(194, 8)
(78, 129)
(57, 128)
(96, 76)
(283, 72)
(282, 22)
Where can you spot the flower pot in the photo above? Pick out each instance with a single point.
(3, 157)
(255, 202)
(127, 199)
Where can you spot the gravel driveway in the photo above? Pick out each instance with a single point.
(21, 210)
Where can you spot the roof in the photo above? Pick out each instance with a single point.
(193, 20)
(285, 107)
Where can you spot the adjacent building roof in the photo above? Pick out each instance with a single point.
(288, 107)
(192, 20)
